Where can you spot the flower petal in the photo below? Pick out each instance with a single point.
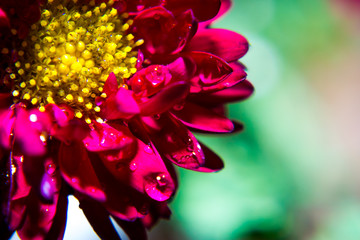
(239, 92)
(76, 169)
(225, 6)
(197, 117)
(7, 121)
(213, 162)
(99, 219)
(103, 137)
(174, 141)
(210, 70)
(226, 44)
(163, 34)
(4, 20)
(165, 99)
(203, 9)
(146, 172)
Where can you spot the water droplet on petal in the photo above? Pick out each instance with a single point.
(133, 166)
(148, 149)
(160, 187)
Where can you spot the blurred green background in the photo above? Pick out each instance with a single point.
(293, 172)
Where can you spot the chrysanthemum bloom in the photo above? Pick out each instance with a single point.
(97, 99)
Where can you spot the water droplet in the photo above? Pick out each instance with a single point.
(133, 166)
(144, 209)
(157, 116)
(178, 107)
(160, 187)
(148, 149)
(50, 169)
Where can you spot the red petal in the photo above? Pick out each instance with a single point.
(226, 44)
(146, 173)
(210, 70)
(4, 20)
(76, 169)
(236, 93)
(203, 119)
(99, 219)
(213, 162)
(163, 34)
(174, 141)
(27, 132)
(225, 6)
(165, 99)
(7, 120)
(203, 9)
(104, 137)
(111, 85)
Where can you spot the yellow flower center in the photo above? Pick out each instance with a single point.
(69, 54)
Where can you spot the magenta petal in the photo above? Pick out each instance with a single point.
(27, 134)
(236, 93)
(145, 173)
(7, 120)
(226, 44)
(174, 141)
(210, 70)
(126, 103)
(99, 219)
(213, 162)
(76, 169)
(165, 99)
(203, 119)
(103, 137)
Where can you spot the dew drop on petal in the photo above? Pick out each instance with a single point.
(148, 149)
(133, 166)
(160, 187)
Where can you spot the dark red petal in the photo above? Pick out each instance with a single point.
(5, 98)
(103, 137)
(20, 190)
(99, 219)
(223, 43)
(203, 119)
(210, 70)
(225, 6)
(163, 34)
(213, 162)
(75, 130)
(174, 141)
(111, 85)
(203, 9)
(135, 230)
(139, 5)
(59, 221)
(76, 169)
(38, 219)
(157, 211)
(122, 201)
(165, 99)
(4, 20)
(146, 172)
(236, 93)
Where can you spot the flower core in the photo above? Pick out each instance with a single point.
(69, 54)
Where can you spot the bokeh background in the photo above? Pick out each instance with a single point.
(293, 172)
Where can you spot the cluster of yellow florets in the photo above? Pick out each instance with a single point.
(70, 53)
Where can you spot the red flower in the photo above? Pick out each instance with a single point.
(98, 99)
